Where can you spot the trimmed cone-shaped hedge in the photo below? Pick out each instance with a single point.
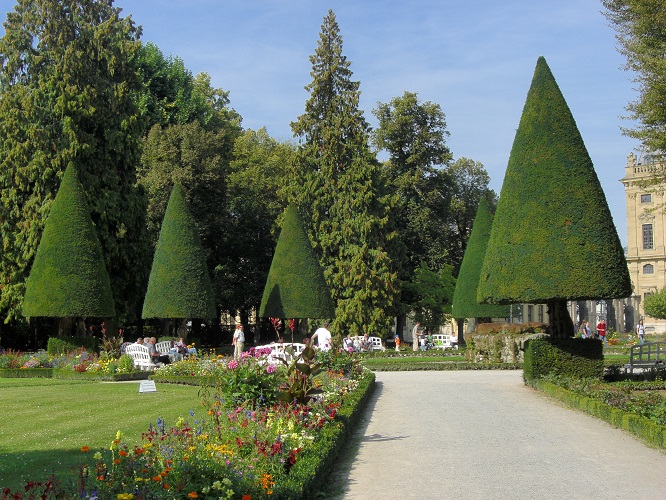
(179, 285)
(465, 304)
(553, 236)
(295, 287)
(68, 276)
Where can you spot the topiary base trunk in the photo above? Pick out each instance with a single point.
(560, 325)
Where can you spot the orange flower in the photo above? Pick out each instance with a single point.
(139, 451)
(247, 497)
(157, 478)
(116, 461)
(122, 453)
(167, 487)
(163, 473)
(192, 494)
(85, 449)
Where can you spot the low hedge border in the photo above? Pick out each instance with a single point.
(378, 366)
(641, 427)
(26, 372)
(315, 464)
(105, 377)
(70, 374)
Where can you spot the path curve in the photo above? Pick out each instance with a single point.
(485, 435)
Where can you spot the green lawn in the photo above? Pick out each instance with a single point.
(45, 422)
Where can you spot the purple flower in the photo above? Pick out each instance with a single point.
(233, 364)
(270, 369)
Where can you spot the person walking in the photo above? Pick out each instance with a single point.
(586, 333)
(601, 331)
(640, 331)
(238, 341)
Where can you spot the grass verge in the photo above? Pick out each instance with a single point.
(45, 422)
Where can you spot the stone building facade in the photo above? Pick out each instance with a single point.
(646, 224)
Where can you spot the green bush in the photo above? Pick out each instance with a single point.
(511, 328)
(26, 373)
(649, 431)
(578, 358)
(58, 346)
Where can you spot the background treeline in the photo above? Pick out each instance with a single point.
(77, 86)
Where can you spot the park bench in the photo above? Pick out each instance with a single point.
(141, 356)
(443, 341)
(279, 351)
(375, 343)
(651, 355)
(163, 347)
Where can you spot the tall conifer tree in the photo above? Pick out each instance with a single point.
(341, 185)
(67, 83)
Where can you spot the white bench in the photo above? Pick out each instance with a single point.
(443, 341)
(375, 343)
(141, 356)
(163, 347)
(279, 351)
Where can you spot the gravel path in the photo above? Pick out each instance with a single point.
(484, 434)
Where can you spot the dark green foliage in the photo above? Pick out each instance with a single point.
(179, 285)
(641, 32)
(295, 287)
(465, 303)
(67, 88)
(553, 237)
(580, 358)
(62, 345)
(344, 194)
(648, 430)
(68, 277)
(431, 294)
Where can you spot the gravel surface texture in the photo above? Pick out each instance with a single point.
(485, 435)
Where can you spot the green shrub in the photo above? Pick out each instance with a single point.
(58, 346)
(26, 373)
(577, 358)
(511, 328)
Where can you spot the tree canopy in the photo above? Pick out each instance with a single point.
(295, 287)
(641, 31)
(179, 285)
(465, 303)
(655, 304)
(67, 88)
(553, 237)
(68, 277)
(342, 188)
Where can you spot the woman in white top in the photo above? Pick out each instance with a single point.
(640, 331)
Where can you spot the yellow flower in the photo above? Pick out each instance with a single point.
(125, 496)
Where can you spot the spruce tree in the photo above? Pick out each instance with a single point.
(295, 287)
(67, 86)
(553, 237)
(342, 188)
(465, 304)
(68, 277)
(179, 285)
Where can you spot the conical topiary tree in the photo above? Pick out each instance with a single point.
(295, 287)
(68, 276)
(553, 237)
(179, 285)
(465, 303)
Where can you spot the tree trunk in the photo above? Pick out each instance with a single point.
(461, 333)
(560, 325)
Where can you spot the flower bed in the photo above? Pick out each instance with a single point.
(244, 442)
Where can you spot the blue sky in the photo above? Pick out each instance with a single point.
(474, 58)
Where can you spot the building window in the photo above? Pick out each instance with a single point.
(540, 313)
(648, 269)
(648, 240)
(646, 198)
(530, 313)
